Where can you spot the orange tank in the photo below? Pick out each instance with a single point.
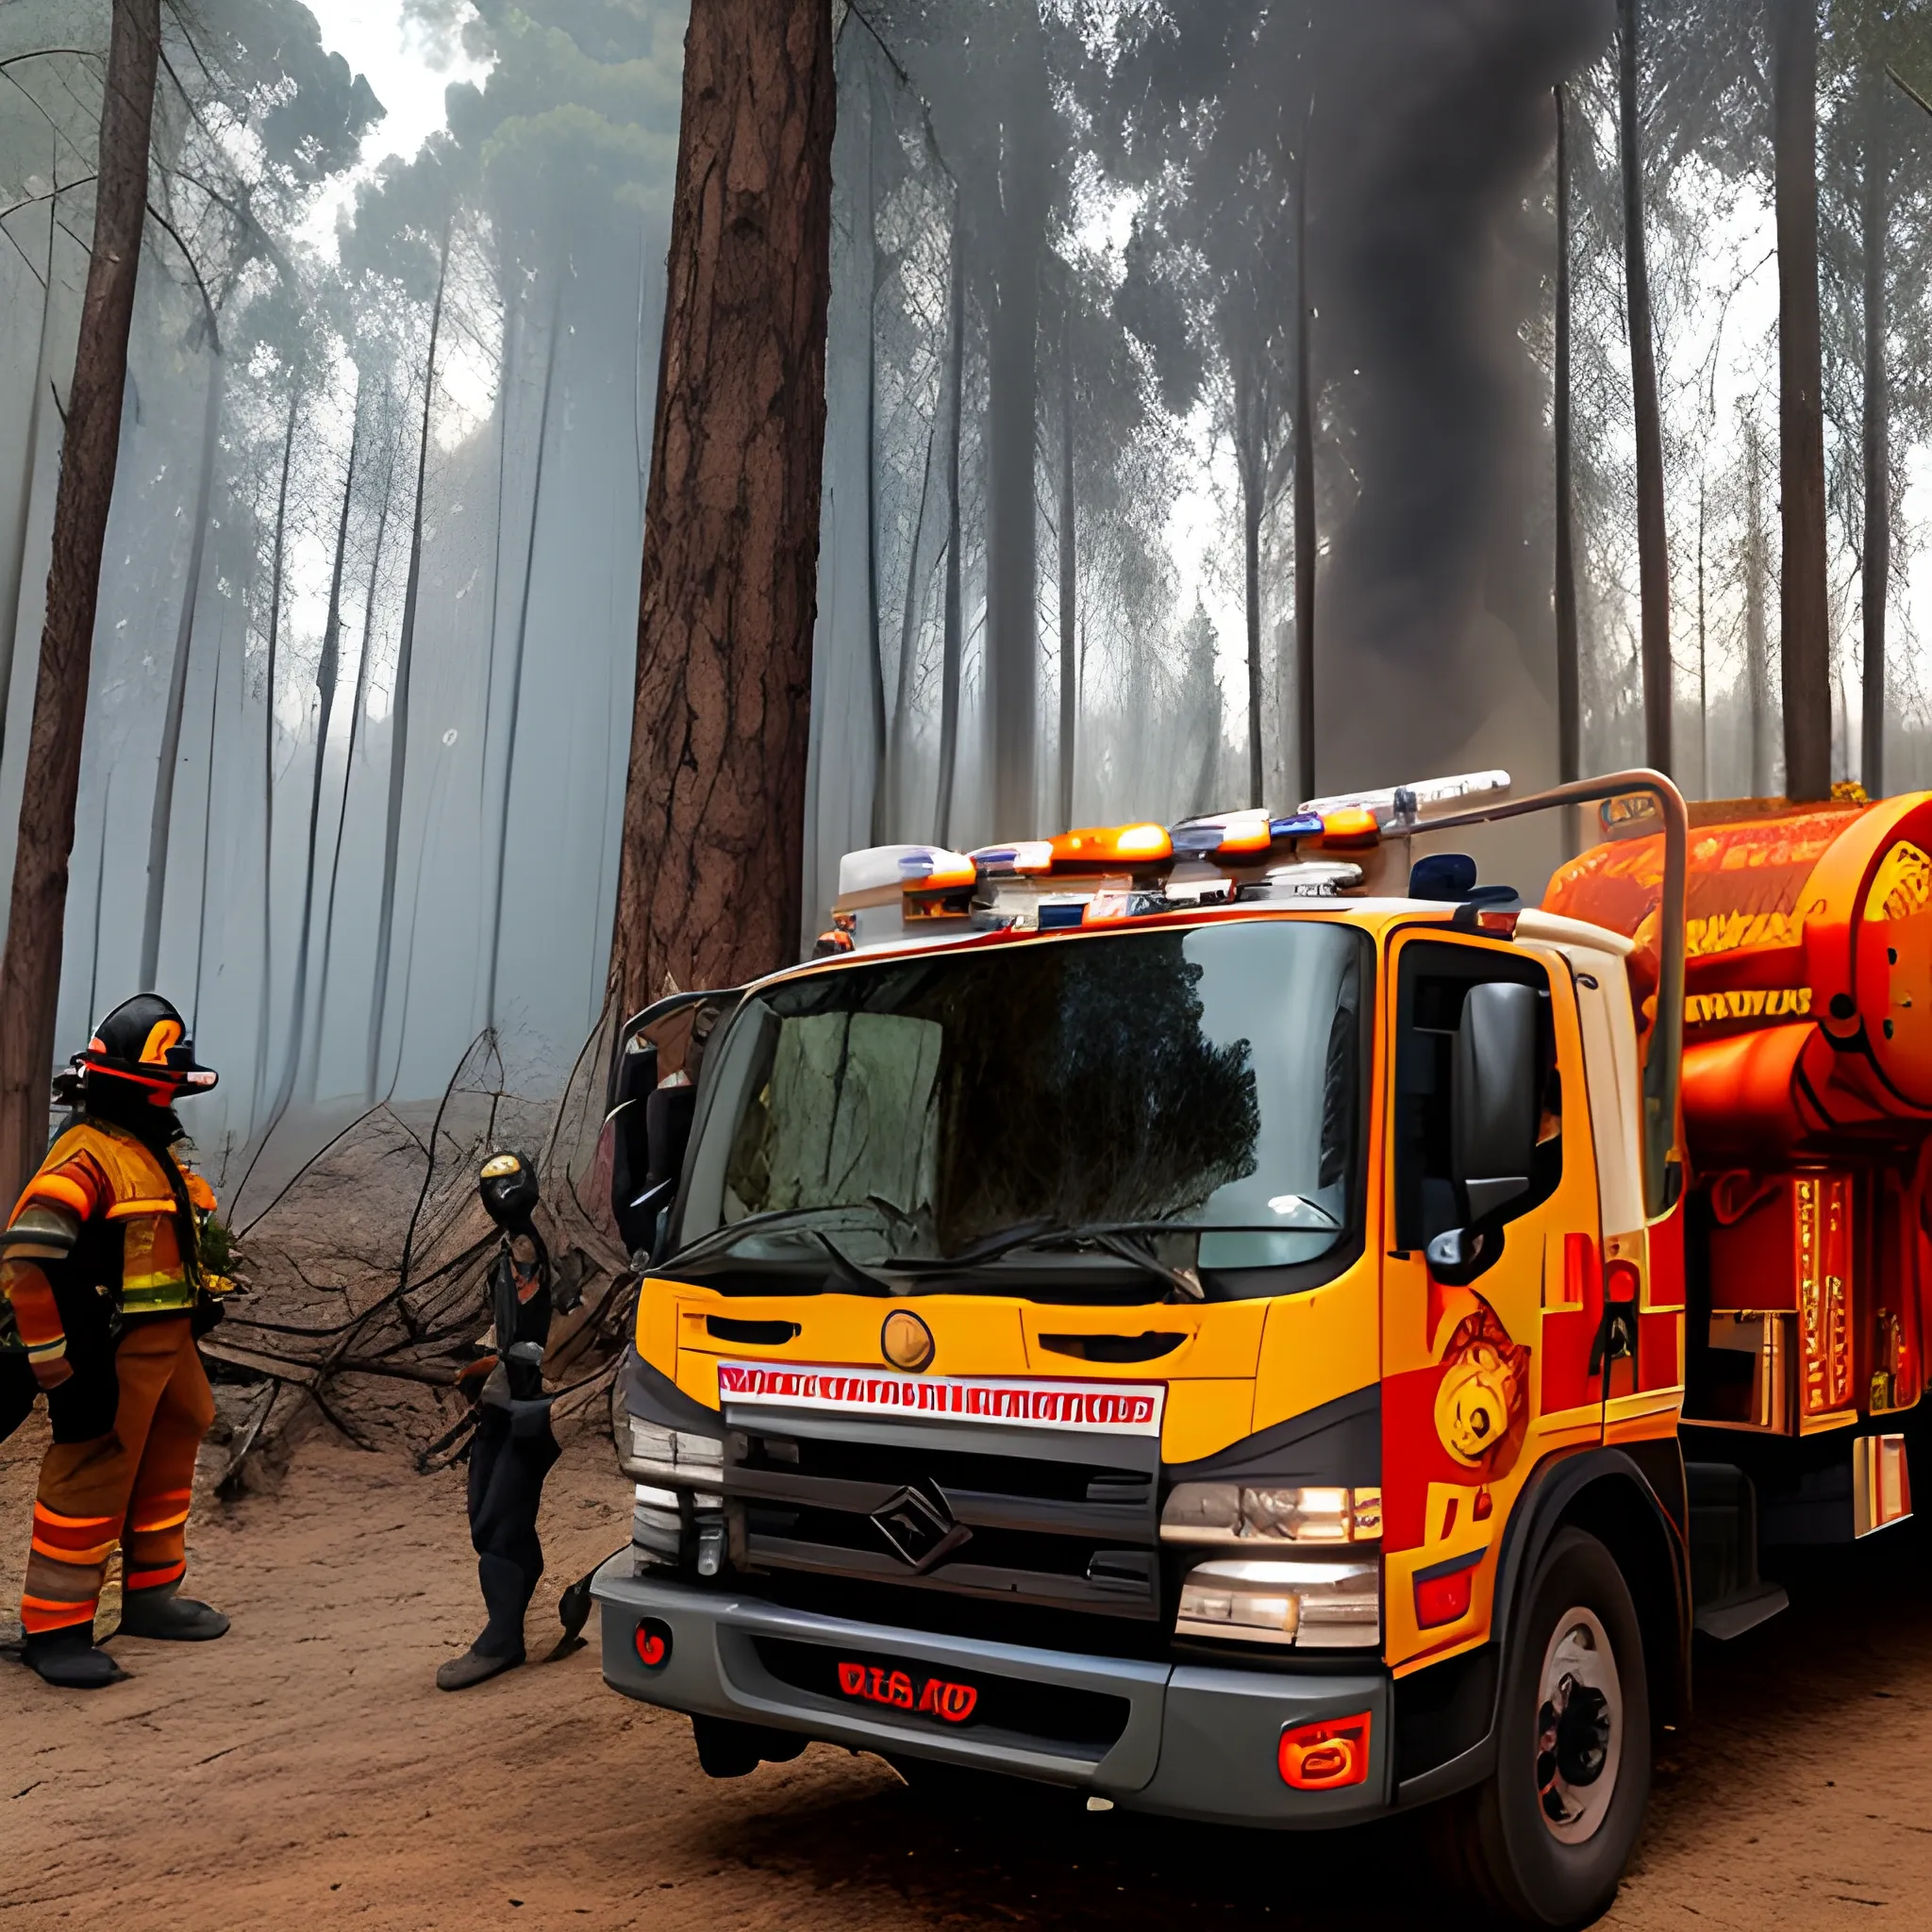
(1807, 973)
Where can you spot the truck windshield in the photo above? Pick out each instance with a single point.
(1204, 1080)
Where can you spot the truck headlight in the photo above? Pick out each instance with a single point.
(670, 1455)
(1311, 1605)
(1235, 1512)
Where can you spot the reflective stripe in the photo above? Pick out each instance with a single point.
(153, 1579)
(157, 1295)
(120, 1211)
(59, 1189)
(63, 1552)
(37, 1617)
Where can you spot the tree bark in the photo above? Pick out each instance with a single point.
(1304, 531)
(360, 705)
(1756, 637)
(327, 670)
(1251, 461)
(1805, 642)
(1652, 542)
(268, 739)
(1012, 643)
(910, 609)
(161, 826)
(399, 702)
(709, 878)
(30, 972)
(952, 643)
(874, 638)
(1875, 563)
(516, 685)
(1070, 579)
(1569, 680)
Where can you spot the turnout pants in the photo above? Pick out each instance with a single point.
(509, 1457)
(129, 1485)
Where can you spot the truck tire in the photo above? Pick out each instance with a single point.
(1546, 1839)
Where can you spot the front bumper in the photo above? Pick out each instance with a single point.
(1197, 1742)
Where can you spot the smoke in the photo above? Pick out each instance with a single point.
(1432, 119)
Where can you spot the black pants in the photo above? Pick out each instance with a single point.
(509, 1457)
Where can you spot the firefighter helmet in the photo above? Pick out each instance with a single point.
(144, 1042)
(508, 1187)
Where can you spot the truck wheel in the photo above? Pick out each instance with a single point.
(1547, 1837)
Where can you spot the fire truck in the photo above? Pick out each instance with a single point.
(1246, 1322)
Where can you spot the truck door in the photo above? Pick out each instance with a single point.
(1633, 1293)
(1481, 1376)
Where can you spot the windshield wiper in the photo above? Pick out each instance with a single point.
(722, 1239)
(1115, 1237)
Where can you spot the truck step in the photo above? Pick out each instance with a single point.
(1742, 1611)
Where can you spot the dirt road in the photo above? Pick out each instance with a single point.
(306, 1771)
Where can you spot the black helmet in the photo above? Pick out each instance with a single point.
(143, 1044)
(508, 1187)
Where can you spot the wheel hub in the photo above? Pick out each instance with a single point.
(1579, 1727)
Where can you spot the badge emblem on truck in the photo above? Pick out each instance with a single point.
(905, 1342)
(920, 1527)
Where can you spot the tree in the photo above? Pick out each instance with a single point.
(1653, 541)
(1805, 636)
(30, 971)
(708, 880)
(1569, 698)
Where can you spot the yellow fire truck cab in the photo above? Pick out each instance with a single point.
(1197, 1315)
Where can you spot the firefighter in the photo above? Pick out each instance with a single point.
(101, 1267)
(514, 1448)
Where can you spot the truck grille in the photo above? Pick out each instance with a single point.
(1048, 1525)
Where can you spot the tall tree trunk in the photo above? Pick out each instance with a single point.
(1805, 642)
(1304, 532)
(208, 819)
(399, 703)
(1652, 542)
(15, 580)
(953, 646)
(1070, 579)
(162, 822)
(268, 741)
(516, 687)
(1569, 667)
(30, 972)
(94, 971)
(327, 670)
(1703, 658)
(867, 219)
(1757, 638)
(1012, 643)
(360, 705)
(914, 603)
(1251, 460)
(709, 878)
(1875, 564)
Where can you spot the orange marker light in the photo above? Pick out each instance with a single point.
(1352, 825)
(1111, 844)
(1325, 1757)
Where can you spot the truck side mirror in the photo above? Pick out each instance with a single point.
(634, 1081)
(1493, 1096)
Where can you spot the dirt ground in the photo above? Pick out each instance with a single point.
(305, 1770)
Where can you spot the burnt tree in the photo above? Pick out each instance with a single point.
(708, 881)
(30, 972)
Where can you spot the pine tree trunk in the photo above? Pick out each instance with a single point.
(162, 822)
(909, 636)
(516, 687)
(709, 879)
(1569, 667)
(1805, 643)
(953, 644)
(360, 703)
(1652, 542)
(268, 741)
(399, 704)
(874, 638)
(1875, 564)
(15, 580)
(1012, 645)
(1757, 638)
(30, 972)
(1070, 579)
(1305, 536)
(1250, 466)
(328, 671)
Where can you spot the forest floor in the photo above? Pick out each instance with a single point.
(306, 1771)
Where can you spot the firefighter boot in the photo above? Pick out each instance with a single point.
(161, 1612)
(506, 1595)
(68, 1658)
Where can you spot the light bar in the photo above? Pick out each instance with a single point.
(1225, 833)
(1110, 845)
(1026, 858)
(906, 868)
(1400, 805)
